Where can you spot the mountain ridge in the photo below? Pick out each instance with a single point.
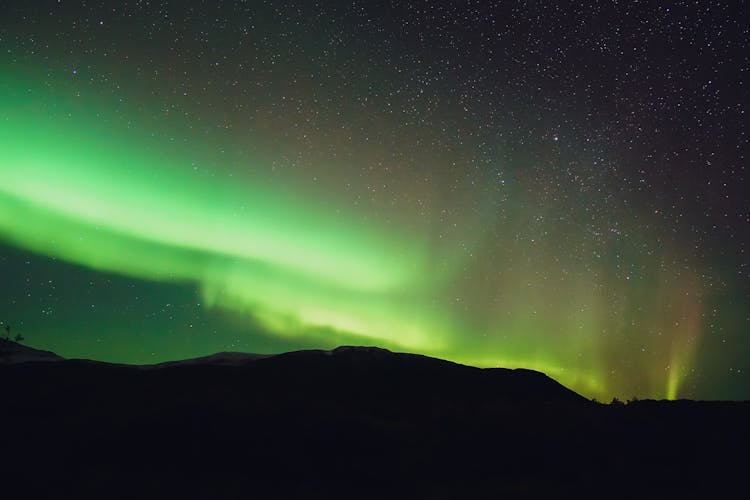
(14, 352)
(351, 422)
(368, 365)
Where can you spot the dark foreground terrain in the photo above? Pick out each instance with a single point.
(348, 423)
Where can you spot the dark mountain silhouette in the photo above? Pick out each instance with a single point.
(349, 423)
(13, 352)
(220, 358)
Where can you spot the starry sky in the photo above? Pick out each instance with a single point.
(551, 185)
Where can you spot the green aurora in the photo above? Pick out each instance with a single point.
(97, 193)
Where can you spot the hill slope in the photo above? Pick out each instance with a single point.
(13, 352)
(350, 423)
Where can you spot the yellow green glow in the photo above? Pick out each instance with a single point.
(110, 199)
(252, 254)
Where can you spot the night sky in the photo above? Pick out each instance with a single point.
(559, 186)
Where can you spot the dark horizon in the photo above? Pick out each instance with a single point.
(13, 352)
(352, 423)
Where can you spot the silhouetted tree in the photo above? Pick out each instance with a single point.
(7, 332)
(19, 337)
(616, 402)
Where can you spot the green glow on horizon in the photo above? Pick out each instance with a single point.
(111, 200)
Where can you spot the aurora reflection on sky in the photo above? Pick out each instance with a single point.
(176, 181)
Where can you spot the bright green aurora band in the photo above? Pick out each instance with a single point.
(110, 199)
